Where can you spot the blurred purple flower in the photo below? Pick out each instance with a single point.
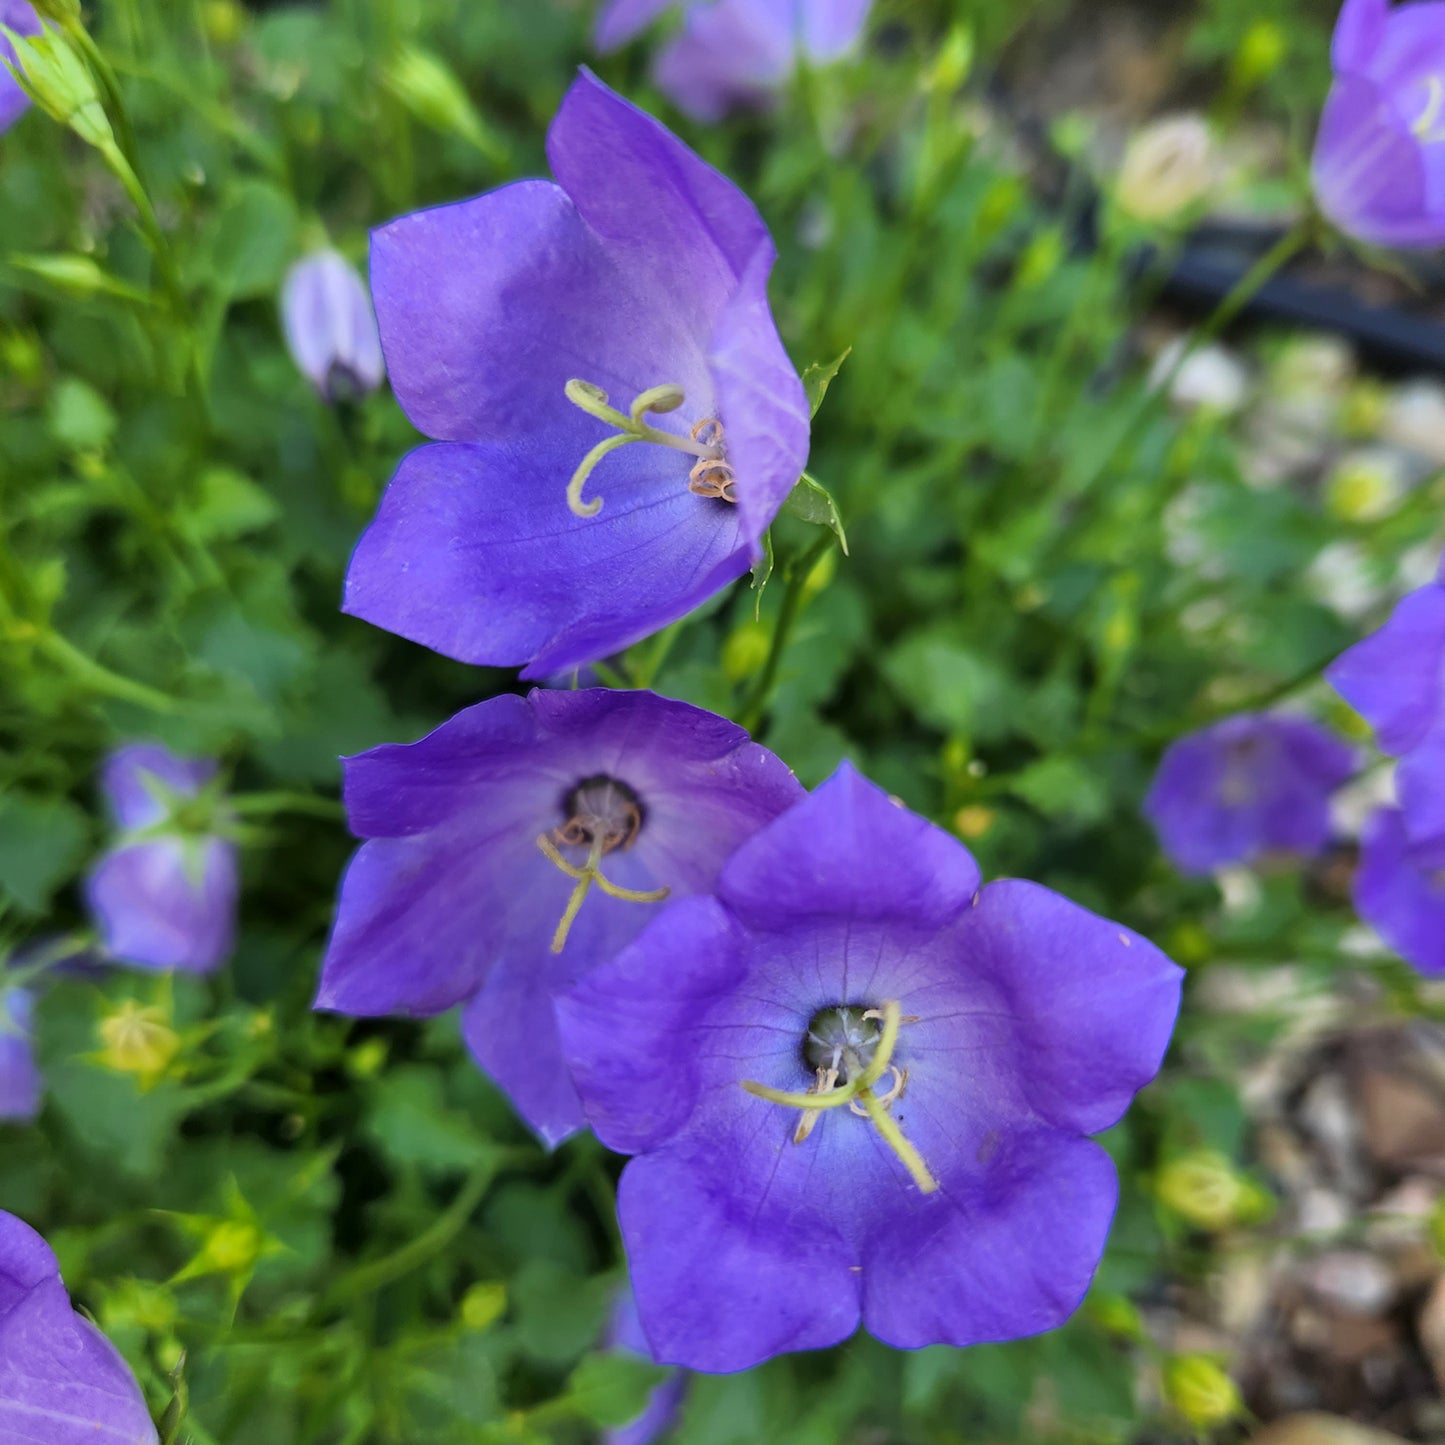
(644, 273)
(736, 53)
(20, 1087)
(15, 15)
(480, 835)
(1247, 786)
(1379, 161)
(61, 1381)
(330, 329)
(1400, 895)
(625, 1333)
(164, 896)
(1395, 680)
(971, 1040)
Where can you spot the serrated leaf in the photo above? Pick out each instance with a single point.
(818, 377)
(810, 501)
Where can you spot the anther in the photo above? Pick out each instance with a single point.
(578, 831)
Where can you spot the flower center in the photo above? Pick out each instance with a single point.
(850, 1049)
(600, 814)
(711, 474)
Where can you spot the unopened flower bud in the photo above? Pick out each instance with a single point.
(61, 84)
(1204, 1189)
(1199, 1389)
(138, 1041)
(330, 328)
(1366, 486)
(745, 650)
(232, 1247)
(1260, 54)
(483, 1305)
(1168, 168)
(433, 94)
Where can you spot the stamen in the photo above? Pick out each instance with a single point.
(586, 876)
(826, 1093)
(711, 476)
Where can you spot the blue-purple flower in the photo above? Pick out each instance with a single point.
(1400, 893)
(61, 1381)
(20, 1086)
(1253, 784)
(1379, 161)
(859, 1087)
(731, 54)
(521, 843)
(164, 894)
(1395, 679)
(612, 329)
(625, 1333)
(15, 15)
(330, 328)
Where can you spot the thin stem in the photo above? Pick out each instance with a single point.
(381, 1272)
(755, 709)
(248, 803)
(101, 679)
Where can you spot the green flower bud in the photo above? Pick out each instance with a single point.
(1198, 1388)
(138, 1041)
(745, 650)
(953, 63)
(232, 1247)
(60, 83)
(483, 1305)
(423, 83)
(1260, 54)
(1205, 1189)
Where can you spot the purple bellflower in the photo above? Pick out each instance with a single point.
(61, 1381)
(1379, 161)
(508, 321)
(663, 1404)
(733, 54)
(15, 15)
(1244, 787)
(20, 1086)
(330, 329)
(1400, 894)
(510, 850)
(164, 895)
(860, 1087)
(1395, 680)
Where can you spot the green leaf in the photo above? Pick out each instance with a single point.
(810, 501)
(79, 417)
(1064, 788)
(952, 687)
(613, 1389)
(230, 505)
(41, 841)
(414, 1125)
(818, 377)
(559, 1314)
(252, 240)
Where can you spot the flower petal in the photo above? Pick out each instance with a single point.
(1358, 33)
(61, 1381)
(848, 850)
(168, 902)
(20, 1083)
(721, 1282)
(131, 774)
(620, 21)
(1395, 678)
(1094, 1002)
(1399, 897)
(627, 1029)
(474, 553)
(1006, 1254)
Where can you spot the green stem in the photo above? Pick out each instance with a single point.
(101, 679)
(369, 1278)
(1241, 294)
(247, 804)
(755, 709)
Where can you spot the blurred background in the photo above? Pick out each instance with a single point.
(1071, 544)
